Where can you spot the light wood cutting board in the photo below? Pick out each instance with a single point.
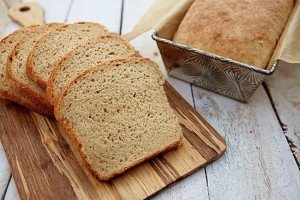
(45, 167)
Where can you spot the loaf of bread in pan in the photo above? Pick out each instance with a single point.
(243, 30)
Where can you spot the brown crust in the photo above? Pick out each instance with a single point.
(69, 128)
(25, 89)
(225, 28)
(57, 68)
(13, 96)
(31, 63)
(30, 106)
(31, 73)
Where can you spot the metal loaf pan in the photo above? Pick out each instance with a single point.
(215, 73)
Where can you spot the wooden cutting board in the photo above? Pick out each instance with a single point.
(45, 167)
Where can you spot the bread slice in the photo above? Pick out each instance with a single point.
(118, 115)
(53, 46)
(16, 65)
(7, 91)
(93, 52)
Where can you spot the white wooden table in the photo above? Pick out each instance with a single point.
(263, 136)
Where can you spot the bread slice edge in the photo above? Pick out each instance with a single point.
(24, 89)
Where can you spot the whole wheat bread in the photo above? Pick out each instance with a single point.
(16, 65)
(93, 52)
(118, 115)
(55, 45)
(7, 91)
(243, 30)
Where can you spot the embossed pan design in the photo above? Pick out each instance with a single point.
(215, 73)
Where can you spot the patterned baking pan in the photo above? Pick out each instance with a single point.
(215, 73)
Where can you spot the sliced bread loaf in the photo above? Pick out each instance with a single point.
(55, 45)
(16, 65)
(118, 115)
(7, 91)
(86, 55)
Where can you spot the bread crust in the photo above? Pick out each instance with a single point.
(13, 95)
(67, 126)
(31, 73)
(31, 63)
(52, 80)
(30, 106)
(242, 30)
(23, 88)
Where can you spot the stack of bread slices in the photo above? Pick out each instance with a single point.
(111, 103)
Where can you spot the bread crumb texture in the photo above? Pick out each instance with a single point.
(119, 115)
(53, 46)
(91, 53)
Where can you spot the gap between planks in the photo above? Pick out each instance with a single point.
(283, 88)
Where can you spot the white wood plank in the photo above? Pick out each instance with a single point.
(190, 188)
(105, 12)
(284, 88)
(194, 186)
(4, 171)
(12, 191)
(133, 10)
(4, 19)
(55, 10)
(10, 28)
(258, 163)
(10, 3)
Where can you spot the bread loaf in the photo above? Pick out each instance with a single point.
(53, 46)
(119, 115)
(93, 52)
(242, 30)
(16, 65)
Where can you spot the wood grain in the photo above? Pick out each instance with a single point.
(106, 12)
(284, 90)
(54, 167)
(258, 163)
